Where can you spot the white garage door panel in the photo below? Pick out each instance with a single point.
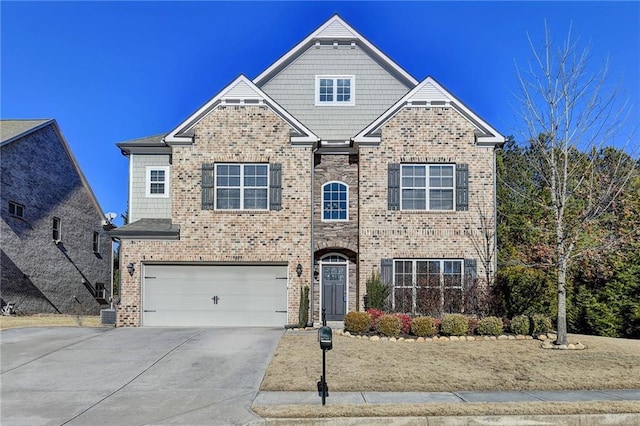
(182, 295)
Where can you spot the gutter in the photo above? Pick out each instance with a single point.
(312, 268)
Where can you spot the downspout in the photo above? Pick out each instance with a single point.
(495, 213)
(312, 269)
(111, 277)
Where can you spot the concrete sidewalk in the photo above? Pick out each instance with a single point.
(312, 398)
(335, 398)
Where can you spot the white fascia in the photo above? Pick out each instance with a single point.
(489, 136)
(318, 35)
(181, 135)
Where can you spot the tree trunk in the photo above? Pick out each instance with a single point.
(562, 303)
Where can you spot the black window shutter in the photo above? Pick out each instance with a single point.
(462, 187)
(386, 271)
(275, 186)
(208, 187)
(394, 186)
(470, 270)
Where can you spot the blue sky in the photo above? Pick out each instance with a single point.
(113, 71)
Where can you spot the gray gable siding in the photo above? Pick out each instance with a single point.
(37, 274)
(141, 206)
(375, 90)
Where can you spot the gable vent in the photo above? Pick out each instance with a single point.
(335, 30)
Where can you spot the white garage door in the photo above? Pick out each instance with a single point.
(206, 295)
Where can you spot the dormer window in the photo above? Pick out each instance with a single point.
(335, 90)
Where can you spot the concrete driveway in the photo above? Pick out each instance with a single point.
(132, 376)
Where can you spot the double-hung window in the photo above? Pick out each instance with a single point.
(335, 201)
(16, 210)
(242, 186)
(335, 90)
(427, 187)
(157, 181)
(428, 286)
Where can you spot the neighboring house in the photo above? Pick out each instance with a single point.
(56, 256)
(332, 164)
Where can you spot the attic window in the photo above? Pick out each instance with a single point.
(335, 90)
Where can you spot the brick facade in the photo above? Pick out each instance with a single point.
(435, 135)
(38, 275)
(232, 134)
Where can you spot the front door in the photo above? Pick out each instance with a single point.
(334, 295)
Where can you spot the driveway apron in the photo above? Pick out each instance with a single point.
(133, 376)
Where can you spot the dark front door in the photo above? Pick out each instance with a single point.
(334, 296)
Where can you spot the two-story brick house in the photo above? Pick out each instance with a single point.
(56, 255)
(332, 164)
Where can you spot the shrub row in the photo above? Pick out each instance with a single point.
(394, 324)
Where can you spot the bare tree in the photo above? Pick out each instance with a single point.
(571, 115)
(483, 237)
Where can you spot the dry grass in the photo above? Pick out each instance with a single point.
(49, 321)
(362, 365)
(453, 409)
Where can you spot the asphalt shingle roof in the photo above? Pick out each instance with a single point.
(9, 129)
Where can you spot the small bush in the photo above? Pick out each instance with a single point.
(454, 325)
(541, 324)
(520, 324)
(406, 322)
(375, 316)
(424, 327)
(389, 325)
(473, 325)
(357, 322)
(491, 326)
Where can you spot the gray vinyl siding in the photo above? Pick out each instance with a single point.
(375, 90)
(143, 207)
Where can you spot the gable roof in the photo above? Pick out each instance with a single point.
(11, 130)
(14, 130)
(241, 91)
(336, 30)
(429, 93)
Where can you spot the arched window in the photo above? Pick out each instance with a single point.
(335, 201)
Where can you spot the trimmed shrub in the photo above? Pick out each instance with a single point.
(424, 327)
(406, 322)
(491, 326)
(520, 324)
(375, 316)
(303, 313)
(377, 292)
(389, 325)
(541, 324)
(357, 322)
(454, 325)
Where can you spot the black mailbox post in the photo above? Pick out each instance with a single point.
(325, 338)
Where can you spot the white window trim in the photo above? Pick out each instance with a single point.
(427, 187)
(322, 196)
(241, 187)
(148, 182)
(352, 99)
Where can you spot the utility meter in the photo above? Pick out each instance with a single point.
(325, 337)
